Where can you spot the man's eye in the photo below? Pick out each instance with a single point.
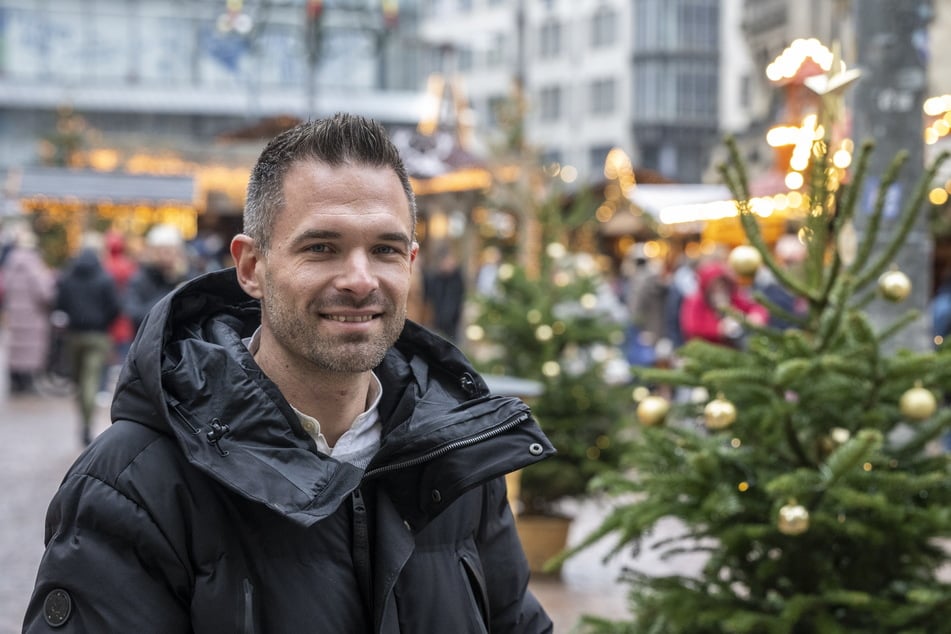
(318, 248)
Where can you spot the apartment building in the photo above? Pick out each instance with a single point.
(640, 75)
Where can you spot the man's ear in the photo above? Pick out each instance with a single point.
(247, 262)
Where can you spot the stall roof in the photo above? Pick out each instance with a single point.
(679, 204)
(654, 199)
(92, 186)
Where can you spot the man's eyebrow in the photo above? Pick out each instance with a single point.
(325, 234)
(395, 236)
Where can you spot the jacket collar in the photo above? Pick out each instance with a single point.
(189, 375)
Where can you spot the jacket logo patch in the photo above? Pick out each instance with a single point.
(57, 607)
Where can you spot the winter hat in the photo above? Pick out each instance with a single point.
(164, 236)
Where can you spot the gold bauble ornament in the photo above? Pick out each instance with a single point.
(918, 403)
(744, 260)
(894, 285)
(793, 519)
(652, 410)
(719, 413)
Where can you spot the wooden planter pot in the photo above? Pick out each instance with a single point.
(542, 537)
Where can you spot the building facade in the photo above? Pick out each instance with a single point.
(639, 75)
(179, 86)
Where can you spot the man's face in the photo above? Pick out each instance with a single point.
(335, 282)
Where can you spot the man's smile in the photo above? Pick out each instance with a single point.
(350, 318)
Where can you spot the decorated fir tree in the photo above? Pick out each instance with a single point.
(554, 319)
(806, 468)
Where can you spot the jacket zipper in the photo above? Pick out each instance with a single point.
(175, 408)
(511, 423)
(361, 548)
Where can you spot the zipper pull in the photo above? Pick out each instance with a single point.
(217, 432)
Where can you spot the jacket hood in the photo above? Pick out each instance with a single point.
(189, 374)
(86, 263)
(708, 272)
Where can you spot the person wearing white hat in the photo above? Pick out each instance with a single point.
(163, 266)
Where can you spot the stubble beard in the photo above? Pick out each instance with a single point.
(301, 335)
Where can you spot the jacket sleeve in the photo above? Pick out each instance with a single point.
(513, 607)
(107, 567)
(750, 308)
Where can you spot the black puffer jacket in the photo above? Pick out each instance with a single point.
(206, 508)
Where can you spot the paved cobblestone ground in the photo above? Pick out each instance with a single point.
(38, 442)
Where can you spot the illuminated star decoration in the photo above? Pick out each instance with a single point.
(831, 86)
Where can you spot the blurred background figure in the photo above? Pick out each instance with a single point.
(445, 291)
(941, 306)
(704, 313)
(29, 288)
(790, 253)
(88, 295)
(488, 273)
(645, 293)
(121, 266)
(164, 265)
(683, 283)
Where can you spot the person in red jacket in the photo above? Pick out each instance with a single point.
(703, 314)
(121, 267)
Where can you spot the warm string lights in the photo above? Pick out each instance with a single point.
(811, 72)
(937, 112)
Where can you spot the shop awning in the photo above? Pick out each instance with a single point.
(683, 203)
(94, 187)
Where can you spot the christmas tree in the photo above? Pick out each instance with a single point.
(554, 319)
(805, 466)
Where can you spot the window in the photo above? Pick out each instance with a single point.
(549, 103)
(496, 53)
(699, 24)
(464, 58)
(603, 27)
(549, 39)
(596, 157)
(696, 96)
(602, 96)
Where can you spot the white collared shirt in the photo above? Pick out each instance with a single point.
(360, 442)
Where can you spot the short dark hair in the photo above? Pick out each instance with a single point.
(334, 141)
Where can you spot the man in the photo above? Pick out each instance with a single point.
(288, 454)
(87, 294)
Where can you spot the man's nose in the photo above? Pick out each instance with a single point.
(357, 276)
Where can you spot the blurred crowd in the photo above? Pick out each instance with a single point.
(69, 328)
(701, 298)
